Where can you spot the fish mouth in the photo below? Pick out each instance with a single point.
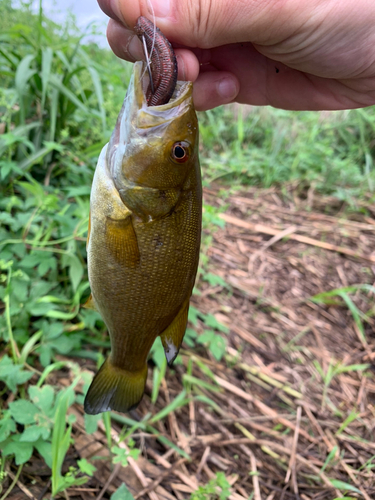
(137, 119)
(144, 116)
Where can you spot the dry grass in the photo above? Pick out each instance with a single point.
(291, 404)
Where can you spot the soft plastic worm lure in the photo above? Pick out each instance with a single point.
(161, 62)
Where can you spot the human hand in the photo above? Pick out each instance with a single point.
(291, 54)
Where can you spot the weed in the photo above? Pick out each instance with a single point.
(333, 370)
(122, 493)
(214, 342)
(269, 146)
(216, 488)
(330, 298)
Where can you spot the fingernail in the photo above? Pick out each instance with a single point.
(159, 8)
(134, 49)
(181, 68)
(227, 88)
(114, 6)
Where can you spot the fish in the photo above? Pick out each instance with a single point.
(144, 237)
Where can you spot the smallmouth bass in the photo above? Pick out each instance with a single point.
(144, 238)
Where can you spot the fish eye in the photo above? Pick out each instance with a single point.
(180, 152)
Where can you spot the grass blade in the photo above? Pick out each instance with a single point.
(98, 92)
(47, 55)
(179, 401)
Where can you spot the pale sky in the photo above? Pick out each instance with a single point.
(85, 11)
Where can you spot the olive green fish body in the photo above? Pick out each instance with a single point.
(144, 237)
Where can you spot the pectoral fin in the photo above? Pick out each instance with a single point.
(172, 336)
(121, 241)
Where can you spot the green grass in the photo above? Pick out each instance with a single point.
(332, 152)
(58, 104)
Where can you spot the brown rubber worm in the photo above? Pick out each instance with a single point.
(163, 62)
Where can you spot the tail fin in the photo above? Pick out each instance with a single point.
(115, 389)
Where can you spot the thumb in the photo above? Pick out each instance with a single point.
(210, 23)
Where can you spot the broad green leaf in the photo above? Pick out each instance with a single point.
(31, 260)
(214, 279)
(122, 493)
(206, 337)
(42, 397)
(64, 344)
(218, 347)
(212, 322)
(45, 449)
(39, 308)
(121, 455)
(48, 264)
(19, 289)
(91, 422)
(40, 288)
(75, 271)
(193, 315)
(12, 374)
(52, 330)
(7, 425)
(22, 451)
(45, 352)
(5, 168)
(23, 411)
(190, 337)
(32, 433)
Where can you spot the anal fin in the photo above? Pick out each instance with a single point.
(172, 336)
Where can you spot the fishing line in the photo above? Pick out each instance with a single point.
(148, 65)
(150, 6)
(147, 55)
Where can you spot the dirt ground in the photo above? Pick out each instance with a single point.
(273, 425)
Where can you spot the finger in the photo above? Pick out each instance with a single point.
(126, 45)
(214, 88)
(263, 81)
(111, 10)
(205, 24)
(124, 42)
(187, 64)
